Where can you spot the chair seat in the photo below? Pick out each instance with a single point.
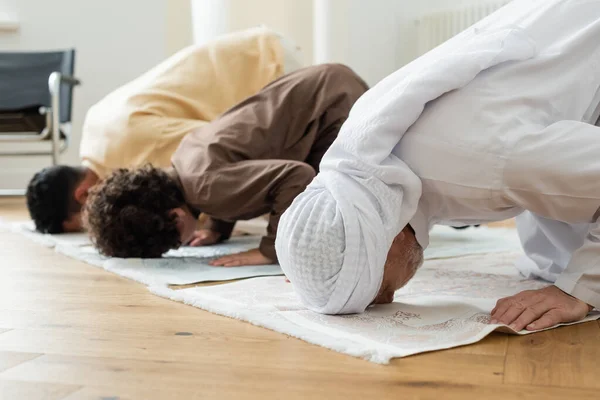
(25, 121)
(63, 136)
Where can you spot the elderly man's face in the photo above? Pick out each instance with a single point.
(403, 260)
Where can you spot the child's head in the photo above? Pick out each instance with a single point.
(55, 196)
(135, 213)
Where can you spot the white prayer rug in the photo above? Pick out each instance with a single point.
(186, 265)
(447, 304)
(189, 265)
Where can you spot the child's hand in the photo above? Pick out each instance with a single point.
(204, 237)
(250, 257)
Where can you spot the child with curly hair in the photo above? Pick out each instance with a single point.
(252, 160)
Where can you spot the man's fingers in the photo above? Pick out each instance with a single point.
(220, 261)
(229, 261)
(251, 257)
(234, 263)
(512, 313)
(529, 315)
(501, 307)
(549, 319)
(516, 306)
(509, 308)
(197, 242)
(200, 239)
(538, 309)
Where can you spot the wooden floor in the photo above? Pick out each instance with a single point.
(72, 331)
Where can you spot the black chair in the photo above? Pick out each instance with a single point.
(36, 97)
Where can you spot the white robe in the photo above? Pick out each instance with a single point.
(496, 121)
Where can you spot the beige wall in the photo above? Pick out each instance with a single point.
(179, 25)
(374, 37)
(292, 18)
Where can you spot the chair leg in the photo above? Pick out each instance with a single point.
(54, 154)
(54, 86)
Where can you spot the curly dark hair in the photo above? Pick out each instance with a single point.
(127, 215)
(51, 197)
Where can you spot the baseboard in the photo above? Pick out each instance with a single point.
(11, 192)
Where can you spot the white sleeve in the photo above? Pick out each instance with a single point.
(555, 173)
(548, 245)
(381, 116)
(566, 254)
(581, 279)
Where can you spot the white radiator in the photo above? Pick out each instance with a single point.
(435, 28)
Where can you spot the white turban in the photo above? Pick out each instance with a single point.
(333, 240)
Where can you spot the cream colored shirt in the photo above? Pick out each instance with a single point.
(145, 120)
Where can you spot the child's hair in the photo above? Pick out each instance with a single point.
(128, 215)
(51, 197)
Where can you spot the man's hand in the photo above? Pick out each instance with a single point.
(250, 257)
(538, 309)
(204, 237)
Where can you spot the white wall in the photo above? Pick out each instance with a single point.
(376, 37)
(408, 12)
(116, 40)
(211, 18)
(292, 18)
(178, 25)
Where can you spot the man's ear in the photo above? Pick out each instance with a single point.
(179, 215)
(81, 194)
(82, 190)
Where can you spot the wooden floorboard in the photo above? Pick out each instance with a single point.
(9, 359)
(72, 331)
(558, 357)
(34, 390)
